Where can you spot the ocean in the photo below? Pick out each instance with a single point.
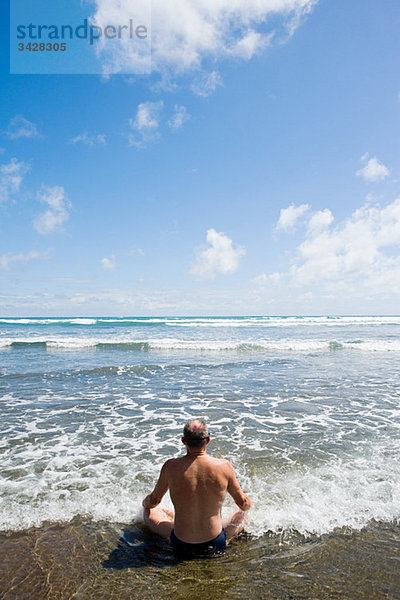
(306, 408)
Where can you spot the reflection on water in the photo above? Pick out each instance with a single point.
(84, 560)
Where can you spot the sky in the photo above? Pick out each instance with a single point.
(253, 171)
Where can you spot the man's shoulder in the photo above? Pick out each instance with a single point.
(173, 464)
(181, 462)
(221, 463)
(170, 463)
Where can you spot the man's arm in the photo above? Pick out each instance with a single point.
(234, 489)
(153, 499)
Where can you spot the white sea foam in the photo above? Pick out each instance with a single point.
(284, 321)
(99, 460)
(50, 321)
(310, 501)
(214, 322)
(337, 494)
(204, 345)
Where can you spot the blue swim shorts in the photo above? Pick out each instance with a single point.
(185, 550)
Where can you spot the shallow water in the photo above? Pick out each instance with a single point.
(83, 560)
(307, 409)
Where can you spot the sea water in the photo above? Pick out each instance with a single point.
(306, 408)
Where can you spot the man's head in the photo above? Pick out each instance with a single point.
(195, 434)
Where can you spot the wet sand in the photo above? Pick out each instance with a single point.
(85, 560)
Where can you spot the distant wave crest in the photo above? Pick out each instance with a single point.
(327, 321)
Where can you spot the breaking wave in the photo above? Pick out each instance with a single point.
(174, 344)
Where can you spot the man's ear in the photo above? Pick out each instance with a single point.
(183, 441)
(208, 440)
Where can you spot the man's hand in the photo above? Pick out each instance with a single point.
(147, 502)
(246, 503)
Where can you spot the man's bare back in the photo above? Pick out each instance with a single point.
(198, 484)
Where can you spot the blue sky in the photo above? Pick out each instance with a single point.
(254, 171)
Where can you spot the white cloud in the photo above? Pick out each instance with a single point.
(108, 264)
(373, 170)
(320, 220)
(90, 140)
(179, 117)
(206, 84)
(360, 255)
(185, 34)
(219, 257)
(264, 279)
(20, 127)
(7, 261)
(57, 213)
(146, 123)
(147, 116)
(251, 43)
(290, 215)
(11, 176)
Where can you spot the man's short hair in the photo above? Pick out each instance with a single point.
(195, 433)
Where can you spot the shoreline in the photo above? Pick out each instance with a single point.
(88, 560)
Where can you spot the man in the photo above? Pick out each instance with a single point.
(197, 485)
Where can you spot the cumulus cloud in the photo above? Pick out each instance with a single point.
(108, 264)
(144, 127)
(90, 140)
(320, 220)
(186, 34)
(179, 117)
(362, 251)
(374, 170)
(220, 257)
(290, 215)
(8, 261)
(57, 214)
(11, 176)
(20, 127)
(147, 115)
